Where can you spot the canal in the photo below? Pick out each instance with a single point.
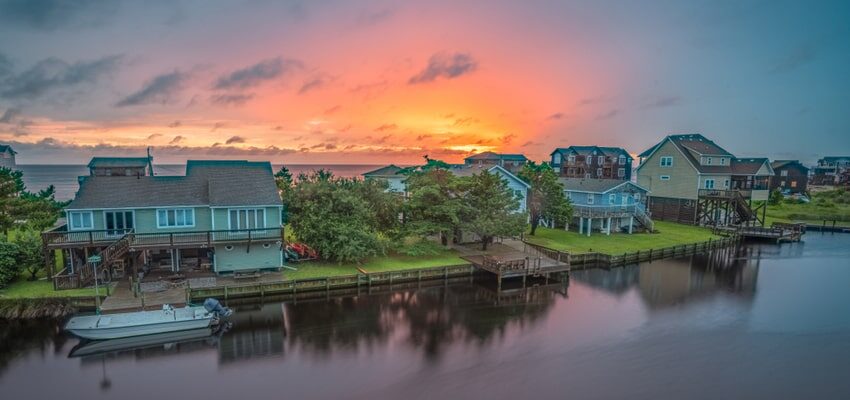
(762, 322)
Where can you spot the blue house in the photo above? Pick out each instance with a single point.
(607, 205)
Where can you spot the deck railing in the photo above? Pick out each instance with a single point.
(65, 238)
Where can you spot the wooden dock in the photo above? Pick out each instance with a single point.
(517, 259)
(779, 232)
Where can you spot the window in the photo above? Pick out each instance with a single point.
(709, 183)
(793, 184)
(784, 172)
(726, 184)
(556, 159)
(637, 197)
(667, 161)
(621, 172)
(81, 220)
(621, 160)
(247, 218)
(175, 218)
(722, 160)
(589, 199)
(118, 222)
(568, 195)
(665, 177)
(708, 161)
(612, 198)
(571, 160)
(601, 159)
(599, 172)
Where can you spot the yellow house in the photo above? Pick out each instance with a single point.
(694, 180)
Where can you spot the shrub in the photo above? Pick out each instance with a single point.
(9, 267)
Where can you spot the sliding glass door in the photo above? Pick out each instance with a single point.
(118, 222)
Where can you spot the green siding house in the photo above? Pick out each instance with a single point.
(221, 217)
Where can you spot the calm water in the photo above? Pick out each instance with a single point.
(64, 177)
(768, 322)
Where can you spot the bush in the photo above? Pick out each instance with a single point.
(9, 267)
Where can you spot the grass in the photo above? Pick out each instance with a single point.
(669, 234)
(391, 262)
(42, 288)
(833, 205)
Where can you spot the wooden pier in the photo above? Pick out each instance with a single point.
(779, 232)
(517, 259)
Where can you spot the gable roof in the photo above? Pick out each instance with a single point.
(118, 162)
(4, 147)
(692, 146)
(588, 150)
(389, 171)
(206, 183)
(595, 185)
(489, 155)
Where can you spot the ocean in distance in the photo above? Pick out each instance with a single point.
(64, 177)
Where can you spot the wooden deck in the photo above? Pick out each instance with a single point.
(514, 259)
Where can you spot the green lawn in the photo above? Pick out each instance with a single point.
(829, 207)
(393, 262)
(669, 234)
(41, 288)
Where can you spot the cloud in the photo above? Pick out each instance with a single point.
(235, 139)
(332, 110)
(448, 66)
(528, 143)
(154, 136)
(175, 124)
(231, 99)
(374, 17)
(608, 115)
(52, 74)
(312, 84)
(5, 65)
(9, 115)
(255, 74)
(50, 147)
(662, 102)
(556, 116)
(796, 58)
(158, 90)
(51, 15)
(177, 139)
(386, 127)
(508, 138)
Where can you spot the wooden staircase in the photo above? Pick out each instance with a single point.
(725, 208)
(114, 252)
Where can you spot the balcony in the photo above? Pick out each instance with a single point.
(602, 211)
(62, 238)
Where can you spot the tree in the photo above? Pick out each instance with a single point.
(775, 197)
(435, 205)
(283, 180)
(493, 208)
(41, 210)
(546, 200)
(11, 187)
(29, 257)
(9, 269)
(343, 219)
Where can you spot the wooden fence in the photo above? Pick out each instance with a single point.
(592, 260)
(295, 286)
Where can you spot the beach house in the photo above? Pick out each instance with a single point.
(833, 170)
(693, 180)
(7, 157)
(607, 205)
(220, 217)
(592, 162)
(510, 162)
(389, 174)
(790, 176)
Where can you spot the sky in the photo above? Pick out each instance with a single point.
(374, 82)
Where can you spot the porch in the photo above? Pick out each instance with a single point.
(611, 217)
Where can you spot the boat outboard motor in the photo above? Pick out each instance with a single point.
(213, 306)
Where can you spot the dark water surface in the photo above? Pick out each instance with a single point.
(64, 177)
(769, 322)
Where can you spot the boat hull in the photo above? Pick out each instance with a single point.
(129, 331)
(90, 348)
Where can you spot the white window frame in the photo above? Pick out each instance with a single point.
(571, 160)
(83, 215)
(239, 214)
(556, 159)
(186, 211)
(636, 197)
(708, 160)
(621, 172)
(621, 160)
(784, 172)
(612, 199)
(590, 199)
(706, 185)
(599, 172)
(722, 160)
(665, 177)
(668, 163)
(600, 160)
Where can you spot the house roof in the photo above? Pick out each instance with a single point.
(118, 162)
(388, 171)
(588, 150)
(595, 185)
(835, 158)
(469, 170)
(206, 183)
(4, 147)
(489, 155)
(693, 146)
(779, 164)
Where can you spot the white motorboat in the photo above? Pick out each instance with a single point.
(89, 348)
(168, 319)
